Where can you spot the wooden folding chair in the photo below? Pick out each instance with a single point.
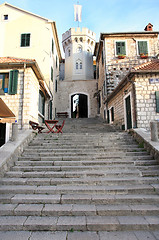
(35, 126)
(59, 127)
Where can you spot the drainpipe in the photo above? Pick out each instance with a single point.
(22, 98)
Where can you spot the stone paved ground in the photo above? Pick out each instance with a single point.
(89, 183)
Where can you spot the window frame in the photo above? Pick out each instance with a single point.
(25, 46)
(120, 41)
(141, 40)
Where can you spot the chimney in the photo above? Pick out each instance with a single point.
(149, 27)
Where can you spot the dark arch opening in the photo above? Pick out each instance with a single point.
(79, 106)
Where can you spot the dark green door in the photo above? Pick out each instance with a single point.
(2, 133)
(128, 112)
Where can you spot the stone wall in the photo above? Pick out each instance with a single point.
(68, 88)
(118, 103)
(146, 100)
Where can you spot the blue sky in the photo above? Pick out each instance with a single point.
(97, 15)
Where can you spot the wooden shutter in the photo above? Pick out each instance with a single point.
(120, 48)
(157, 101)
(13, 82)
(52, 73)
(142, 47)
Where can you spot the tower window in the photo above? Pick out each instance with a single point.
(80, 65)
(76, 65)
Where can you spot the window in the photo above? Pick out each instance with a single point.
(142, 47)
(79, 49)
(120, 48)
(76, 65)
(5, 17)
(69, 52)
(9, 82)
(52, 73)
(52, 46)
(112, 114)
(80, 65)
(41, 103)
(157, 101)
(25, 40)
(56, 86)
(56, 62)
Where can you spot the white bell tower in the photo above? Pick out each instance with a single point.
(78, 47)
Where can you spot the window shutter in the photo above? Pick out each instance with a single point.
(52, 73)
(142, 47)
(157, 101)
(13, 82)
(120, 48)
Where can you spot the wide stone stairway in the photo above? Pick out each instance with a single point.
(89, 183)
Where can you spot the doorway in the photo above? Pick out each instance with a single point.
(128, 112)
(79, 106)
(2, 133)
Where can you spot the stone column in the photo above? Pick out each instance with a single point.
(154, 131)
(14, 131)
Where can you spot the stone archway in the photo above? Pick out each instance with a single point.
(79, 106)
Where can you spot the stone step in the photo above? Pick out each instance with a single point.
(79, 235)
(77, 189)
(50, 162)
(71, 181)
(57, 168)
(77, 210)
(70, 174)
(99, 199)
(79, 223)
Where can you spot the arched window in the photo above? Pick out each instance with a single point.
(80, 65)
(69, 52)
(79, 49)
(76, 65)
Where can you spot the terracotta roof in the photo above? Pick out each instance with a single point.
(148, 66)
(15, 60)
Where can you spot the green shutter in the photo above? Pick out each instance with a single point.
(120, 48)
(142, 47)
(13, 82)
(52, 72)
(52, 46)
(157, 101)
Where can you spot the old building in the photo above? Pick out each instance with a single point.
(77, 85)
(116, 54)
(21, 85)
(27, 35)
(135, 101)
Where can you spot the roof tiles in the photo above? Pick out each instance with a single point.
(15, 60)
(148, 66)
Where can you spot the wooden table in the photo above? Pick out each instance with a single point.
(51, 122)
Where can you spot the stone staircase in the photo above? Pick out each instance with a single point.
(89, 183)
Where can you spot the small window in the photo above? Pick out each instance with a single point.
(80, 65)
(52, 46)
(56, 62)
(120, 48)
(9, 82)
(5, 17)
(52, 73)
(112, 114)
(69, 52)
(79, 49)
(157, 101)
(142, 47)
(56, 86)
(25, 40)
(76, 65)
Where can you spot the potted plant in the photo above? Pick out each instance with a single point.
(144, 55)
(121, 56)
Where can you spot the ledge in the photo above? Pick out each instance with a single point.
(143, 136)
(10, 151)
